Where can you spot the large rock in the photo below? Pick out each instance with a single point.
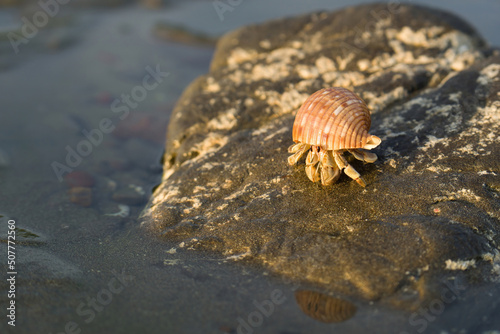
(431, 207)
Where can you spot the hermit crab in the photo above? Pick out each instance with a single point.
(329, 123)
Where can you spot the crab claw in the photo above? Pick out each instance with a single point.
(312, 165)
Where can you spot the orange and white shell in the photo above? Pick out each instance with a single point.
(334, 119)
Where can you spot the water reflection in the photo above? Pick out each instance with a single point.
(324, 308)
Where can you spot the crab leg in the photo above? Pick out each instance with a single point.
(298, 151)
(329, 170)
(313, 165)
(348, 169)
(329, 175)
(363, 155)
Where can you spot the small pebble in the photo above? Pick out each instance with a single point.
(79, 179)
(81, 196)
(143, 126)
(103, 98)
(152, 4)
(129, 195)
(124, 211)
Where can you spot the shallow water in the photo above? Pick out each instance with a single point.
(88, 269)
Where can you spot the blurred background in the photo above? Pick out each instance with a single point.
(86, 91)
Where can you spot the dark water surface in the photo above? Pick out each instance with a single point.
(91, 91)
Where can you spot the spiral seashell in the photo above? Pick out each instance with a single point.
(334, 119)
(324, 308)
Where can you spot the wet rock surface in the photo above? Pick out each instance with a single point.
(430, 211)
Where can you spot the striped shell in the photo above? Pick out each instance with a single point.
(334, 119)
